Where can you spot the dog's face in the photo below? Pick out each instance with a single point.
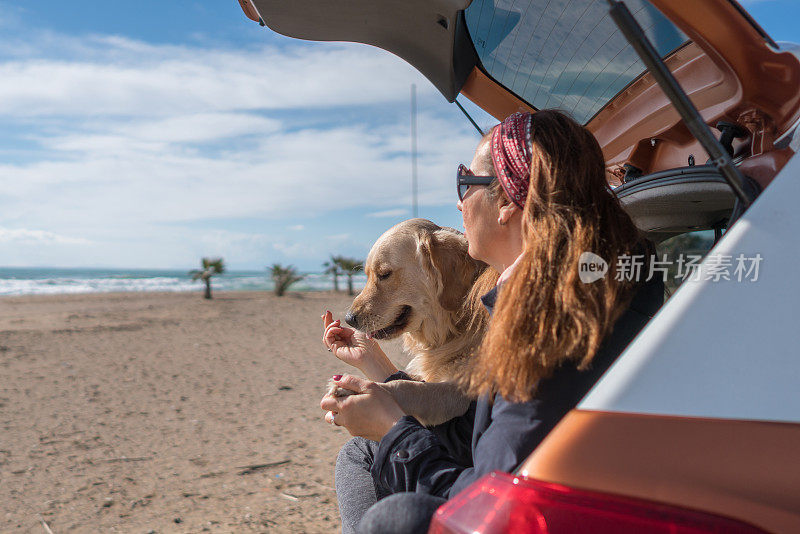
(412, 268)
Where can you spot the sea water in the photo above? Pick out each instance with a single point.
(53, 281)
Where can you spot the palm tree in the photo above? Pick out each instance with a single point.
(349, 267)
(283, 277)
(332, 268)
(211, 266)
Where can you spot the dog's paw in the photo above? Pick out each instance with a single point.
(335, 390)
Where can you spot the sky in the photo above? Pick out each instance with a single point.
(150, 134)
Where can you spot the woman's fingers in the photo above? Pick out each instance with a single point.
(330, 417)
(370, 414)
(335, 332)
(329, 403)
(325, 334)
(331, 333)
(353, 383)
(333, 405)
(334, 326)
(327, 319)
(335, 346)
(326, 337)
(346, 333)
(333, 336)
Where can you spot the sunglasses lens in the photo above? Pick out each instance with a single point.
(461, 188)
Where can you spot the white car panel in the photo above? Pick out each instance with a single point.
(724, 349)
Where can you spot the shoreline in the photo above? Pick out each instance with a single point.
(198, 291)
(53, 281)
(217, 295)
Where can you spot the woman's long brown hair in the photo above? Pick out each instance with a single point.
(545, 315)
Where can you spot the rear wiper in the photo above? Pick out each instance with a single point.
(720, 157)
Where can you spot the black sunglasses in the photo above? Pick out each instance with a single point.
(465, 178)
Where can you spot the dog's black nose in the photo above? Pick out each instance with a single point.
(350, 318)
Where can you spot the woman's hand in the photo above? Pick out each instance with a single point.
(356, 349)
(371, 413)
(350, 346)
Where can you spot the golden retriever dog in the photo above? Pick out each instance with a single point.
(419, 282)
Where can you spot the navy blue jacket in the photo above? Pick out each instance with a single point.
(445, 459)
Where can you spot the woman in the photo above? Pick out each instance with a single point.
(534, 200)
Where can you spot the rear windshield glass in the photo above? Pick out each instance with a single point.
(565, 54)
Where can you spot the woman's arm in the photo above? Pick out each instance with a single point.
(362, 415)
(431, 403)
(412, 458)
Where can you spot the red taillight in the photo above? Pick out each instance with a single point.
(500, 502)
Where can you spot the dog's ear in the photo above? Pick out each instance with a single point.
(455, 270)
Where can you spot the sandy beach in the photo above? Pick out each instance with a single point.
(156, 412)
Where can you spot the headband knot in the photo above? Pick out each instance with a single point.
(511, 155)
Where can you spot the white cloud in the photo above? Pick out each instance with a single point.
(29, 237)
(338, 238)
(297, 250)
(126, 137)
(296, 227)
(153, 135)
(124, 180)
(200, 127)
(399, 212)
(113, 75)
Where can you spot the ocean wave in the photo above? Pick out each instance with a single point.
(42, 282)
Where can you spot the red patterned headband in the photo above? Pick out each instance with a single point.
(511, 154)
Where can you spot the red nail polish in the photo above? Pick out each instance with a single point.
(337, 377)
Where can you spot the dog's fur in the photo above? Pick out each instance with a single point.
(419, 278)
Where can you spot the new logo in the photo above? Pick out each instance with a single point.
(591, 267)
